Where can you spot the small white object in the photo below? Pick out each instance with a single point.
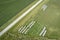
(44, 7)
(42, 31)
(22, 29)
(29, 27)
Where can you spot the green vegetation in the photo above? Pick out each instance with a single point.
(10, 8)
(50, 18)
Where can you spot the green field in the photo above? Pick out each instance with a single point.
(10, 8)
(50, 18)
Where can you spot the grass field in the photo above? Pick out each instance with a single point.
(10, 8)
(49, 18)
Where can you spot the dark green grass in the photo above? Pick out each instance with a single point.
(10, 8)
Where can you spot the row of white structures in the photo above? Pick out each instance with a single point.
(25, 29)
(43, 32)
